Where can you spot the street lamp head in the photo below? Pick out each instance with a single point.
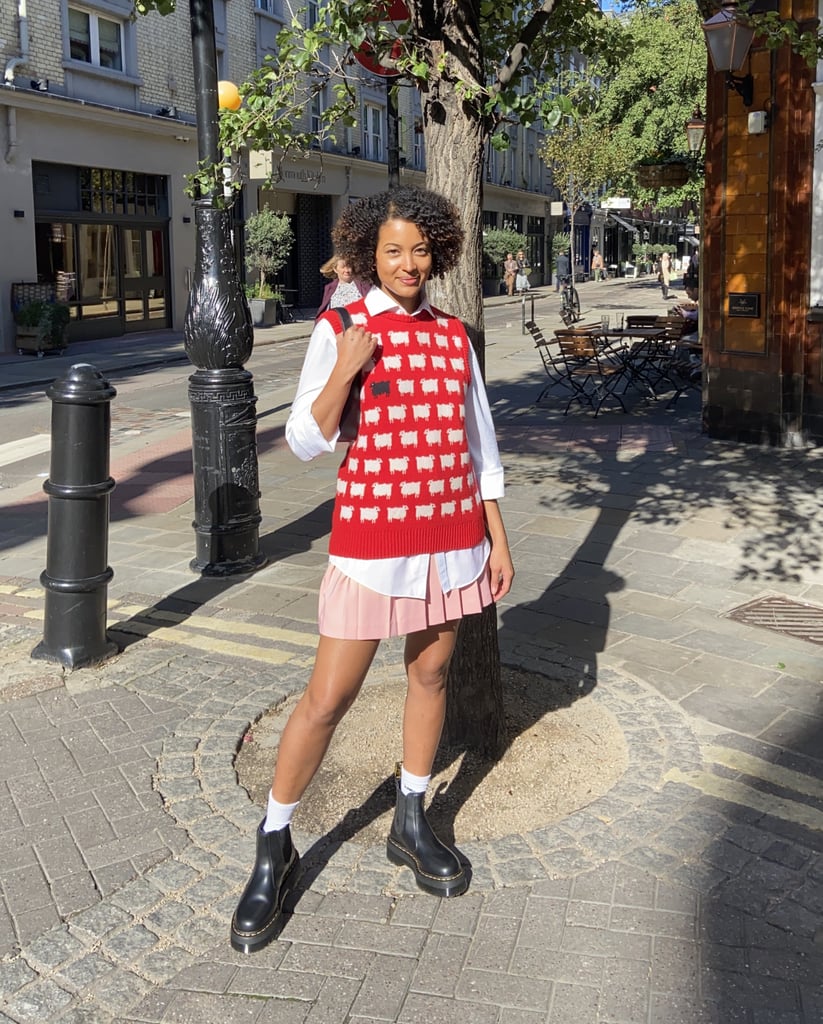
(695, 131)
(728, 40)
(228, 96)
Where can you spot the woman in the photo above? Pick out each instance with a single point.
(417, 538)
(510, 272)
(665, 274)
(342, 288)
(521, 282)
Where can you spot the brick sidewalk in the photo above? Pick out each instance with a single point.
(690, 892)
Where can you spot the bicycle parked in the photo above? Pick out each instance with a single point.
(569, 302)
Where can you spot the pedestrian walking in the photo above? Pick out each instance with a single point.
(342, 287)
(665, 274)
(417, 538)
(598, 271)
(510, 272)
(521, 281)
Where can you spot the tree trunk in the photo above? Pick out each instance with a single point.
(455, 135)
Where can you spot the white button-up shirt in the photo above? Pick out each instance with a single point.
(406, 576)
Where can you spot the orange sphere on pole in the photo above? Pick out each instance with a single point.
(228, 96)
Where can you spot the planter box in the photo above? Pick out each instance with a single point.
(263, 312)
(29, 339)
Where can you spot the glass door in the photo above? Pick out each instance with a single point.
(145, 284)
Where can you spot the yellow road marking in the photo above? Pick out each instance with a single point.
(269, 655)
(193, 631)
(214, 625)
(739, 761)
(739, 793)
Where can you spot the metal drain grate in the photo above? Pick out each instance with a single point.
(782, 615)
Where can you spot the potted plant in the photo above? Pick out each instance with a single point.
(41, 326)
(269, 240)
(642, 256)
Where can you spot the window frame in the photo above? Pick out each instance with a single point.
(95, 14)
(373, 142)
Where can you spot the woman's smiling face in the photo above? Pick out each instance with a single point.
(403, 261)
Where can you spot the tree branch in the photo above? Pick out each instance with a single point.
(520, 50)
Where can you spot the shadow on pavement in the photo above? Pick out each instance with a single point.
(291, 538)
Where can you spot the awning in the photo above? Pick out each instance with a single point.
(623, 223)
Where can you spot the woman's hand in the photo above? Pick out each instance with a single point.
(501, 568)
(355, 347)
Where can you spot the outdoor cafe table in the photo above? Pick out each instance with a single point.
(644, 352)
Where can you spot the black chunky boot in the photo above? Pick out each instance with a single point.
(413, 843)
(260, 910)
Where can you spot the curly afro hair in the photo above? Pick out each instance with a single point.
(355, 234)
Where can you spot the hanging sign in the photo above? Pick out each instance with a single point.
(393, 12)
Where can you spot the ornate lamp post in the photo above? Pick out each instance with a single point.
(218, 339)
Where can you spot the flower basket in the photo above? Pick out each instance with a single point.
(671, 174)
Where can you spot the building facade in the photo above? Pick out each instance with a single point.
(98, 133)
(762, 263)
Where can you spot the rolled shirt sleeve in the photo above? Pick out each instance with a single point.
(480, 435)
(303, 435)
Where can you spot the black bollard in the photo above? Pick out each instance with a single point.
(77, 573)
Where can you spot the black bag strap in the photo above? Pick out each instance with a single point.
(345, 317)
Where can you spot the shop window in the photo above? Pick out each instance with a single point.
(95, 39)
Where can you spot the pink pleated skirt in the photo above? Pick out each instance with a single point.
(350, 611)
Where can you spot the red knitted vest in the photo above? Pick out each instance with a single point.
(407, 484)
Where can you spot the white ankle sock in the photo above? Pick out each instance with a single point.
(413, 783)
(278, 815)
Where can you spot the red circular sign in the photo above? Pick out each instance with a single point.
(391, 11)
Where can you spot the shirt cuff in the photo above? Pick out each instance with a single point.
(306, 439)
(491, 484)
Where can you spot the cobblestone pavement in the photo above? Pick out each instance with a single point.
(691, 892)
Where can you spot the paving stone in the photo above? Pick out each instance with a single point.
(591, 942)
(378, 938)
(425, 1009)
(574, 1003)
(54, 948)
(83, 973)
(14, 974)
(503, 989)
(440, 964)
(334, 1002)
(98, 921)
(131, 943)
(38, 1002)
(171, 876)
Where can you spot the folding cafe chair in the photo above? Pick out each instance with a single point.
(556, 370)
(593, 373)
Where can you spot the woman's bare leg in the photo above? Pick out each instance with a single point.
(427, 659)
(339, 670)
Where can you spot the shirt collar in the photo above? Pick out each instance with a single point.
(377, 301)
